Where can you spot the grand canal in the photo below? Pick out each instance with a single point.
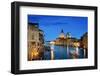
(64, 52)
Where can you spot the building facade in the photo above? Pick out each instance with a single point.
(84, 44)
(66, 40)
(35, 42)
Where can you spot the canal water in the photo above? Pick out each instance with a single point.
(63, 52)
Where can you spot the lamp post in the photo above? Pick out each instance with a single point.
(52, 49)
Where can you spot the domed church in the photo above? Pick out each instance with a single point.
(62, 35)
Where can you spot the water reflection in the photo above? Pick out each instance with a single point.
(63, 52)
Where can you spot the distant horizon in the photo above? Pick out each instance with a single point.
(52, 25)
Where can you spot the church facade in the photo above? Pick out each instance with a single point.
(66, 40)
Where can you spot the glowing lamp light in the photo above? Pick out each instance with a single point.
(76, 44)
(35, 53)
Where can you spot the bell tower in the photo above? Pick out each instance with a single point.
(68, 35)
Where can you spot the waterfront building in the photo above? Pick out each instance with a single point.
(35, 41)
(84, 41)
(66, 40)
(84, 44)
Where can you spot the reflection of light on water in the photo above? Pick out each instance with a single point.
(52, 54)
(63, 52)
(67, 51)
(77, 51)
(84, 52)
(52, 50)
(74, 52)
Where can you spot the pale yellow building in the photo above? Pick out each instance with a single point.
(35, 41)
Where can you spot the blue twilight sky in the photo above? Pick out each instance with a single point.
(52, 25)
